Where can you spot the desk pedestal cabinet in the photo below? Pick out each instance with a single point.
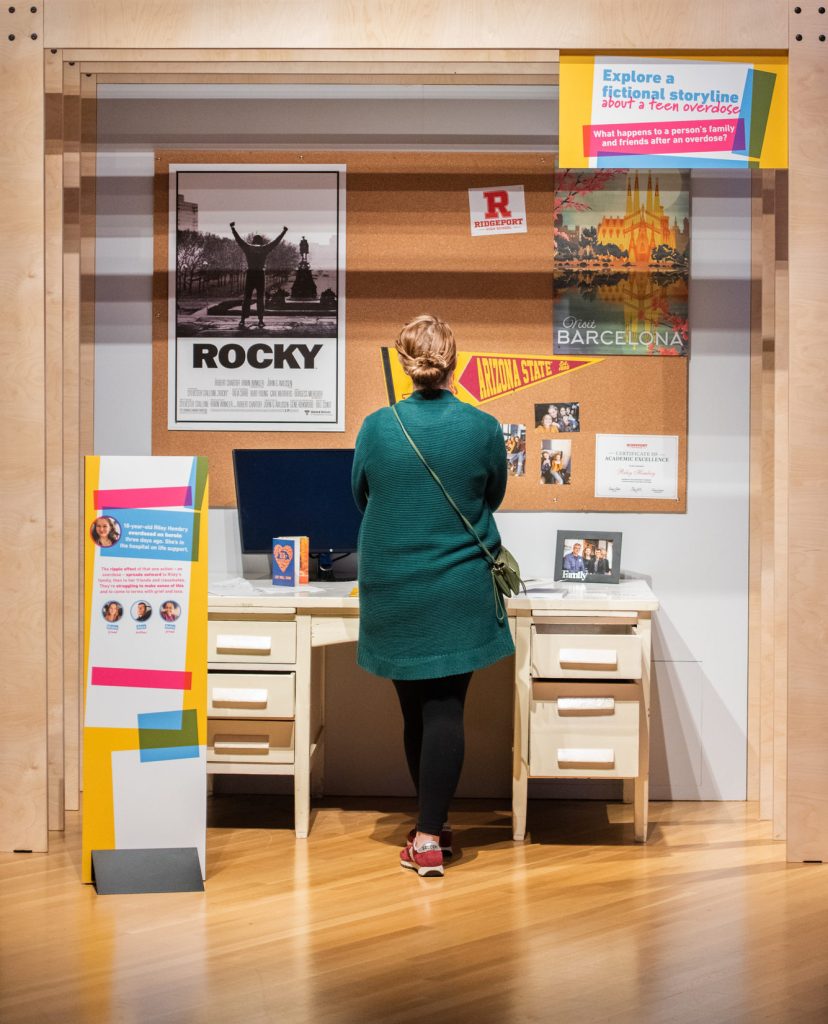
(582, 702)
(266, 690)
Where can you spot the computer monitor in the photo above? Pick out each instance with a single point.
(284, 492)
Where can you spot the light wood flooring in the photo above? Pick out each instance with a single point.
(706, 923)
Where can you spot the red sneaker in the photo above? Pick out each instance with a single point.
(427, 861)
(446, 839)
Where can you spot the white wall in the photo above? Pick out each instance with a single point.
(696, 563)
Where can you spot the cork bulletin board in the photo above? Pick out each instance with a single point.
(410, 251)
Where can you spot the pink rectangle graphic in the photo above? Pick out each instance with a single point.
(143, 497)
(692, 137)
(148, 678)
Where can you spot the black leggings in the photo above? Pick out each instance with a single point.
(434, 742)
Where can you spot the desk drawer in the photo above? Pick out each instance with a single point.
(239, 740)
(583, 737)
(250, 694)
(251, 642)
(584, 655)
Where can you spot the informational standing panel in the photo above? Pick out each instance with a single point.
(145, 654)
(411, 250)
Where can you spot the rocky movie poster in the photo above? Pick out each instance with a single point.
(257, 317)
(622, 250)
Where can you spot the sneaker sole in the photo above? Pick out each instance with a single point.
(436, 872)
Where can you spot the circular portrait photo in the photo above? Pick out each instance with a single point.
(105, 531)
(112, 611)
(170, 610)
(141, 611)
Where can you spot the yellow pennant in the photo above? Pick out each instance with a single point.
(482, 377)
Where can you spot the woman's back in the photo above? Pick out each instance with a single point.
(426, 603)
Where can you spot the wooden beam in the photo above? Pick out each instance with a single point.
(807, 555)
(754, 745)
(72, 503)
(331, 24)
(780, 508)
(768, 593)
(403, 69)
(53, 243)
(23, 526)
(184, 78)
(317, 56)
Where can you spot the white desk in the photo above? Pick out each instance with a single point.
(582, 685)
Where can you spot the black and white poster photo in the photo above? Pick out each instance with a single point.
(257, 305)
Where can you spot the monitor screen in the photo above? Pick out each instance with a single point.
(296, 492)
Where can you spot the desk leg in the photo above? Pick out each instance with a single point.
(628, 791)
(642, 783)
(318, 676)
(640, 812)
(302, 728)
(520, 741)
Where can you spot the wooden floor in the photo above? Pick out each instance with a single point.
(706, 923)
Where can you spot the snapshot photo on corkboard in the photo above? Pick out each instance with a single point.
(406, 221)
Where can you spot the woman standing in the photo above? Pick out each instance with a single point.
(427, 610)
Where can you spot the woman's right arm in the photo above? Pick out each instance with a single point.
(498, 469)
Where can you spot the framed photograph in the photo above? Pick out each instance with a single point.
(593, 558)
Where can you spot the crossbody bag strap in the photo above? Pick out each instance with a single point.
(449, 498)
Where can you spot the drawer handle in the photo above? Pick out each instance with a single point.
(579, 657)
(242, 745)
(586, 705)
(579, 757)
(230, 643)
(226, 697)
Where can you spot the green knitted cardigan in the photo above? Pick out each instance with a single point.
(426, 604)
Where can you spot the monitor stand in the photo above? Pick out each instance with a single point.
(323, 568)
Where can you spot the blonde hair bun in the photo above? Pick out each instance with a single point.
(427, 351)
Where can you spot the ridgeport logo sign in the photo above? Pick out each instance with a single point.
(497, 211)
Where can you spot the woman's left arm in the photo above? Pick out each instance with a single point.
(498, 469)
(359, 478)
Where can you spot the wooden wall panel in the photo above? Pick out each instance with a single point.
(53, 241)
(23, 534)
(706, 24)
(781, 496)
(754, 745)
(88, 171)
(807, 557)
(766, 524)
(72, 503)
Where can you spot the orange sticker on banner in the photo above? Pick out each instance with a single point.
(482, 377)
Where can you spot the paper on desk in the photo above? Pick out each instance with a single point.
(239, 587)
(544, 586)
(236, 585)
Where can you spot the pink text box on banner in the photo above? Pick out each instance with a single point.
(148, 678)
(144, 497)
(665, 137)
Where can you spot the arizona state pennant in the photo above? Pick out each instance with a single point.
(481, 377)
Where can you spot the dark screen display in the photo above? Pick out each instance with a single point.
(306, 492)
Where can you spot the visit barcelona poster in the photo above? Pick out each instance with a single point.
(622, 261)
